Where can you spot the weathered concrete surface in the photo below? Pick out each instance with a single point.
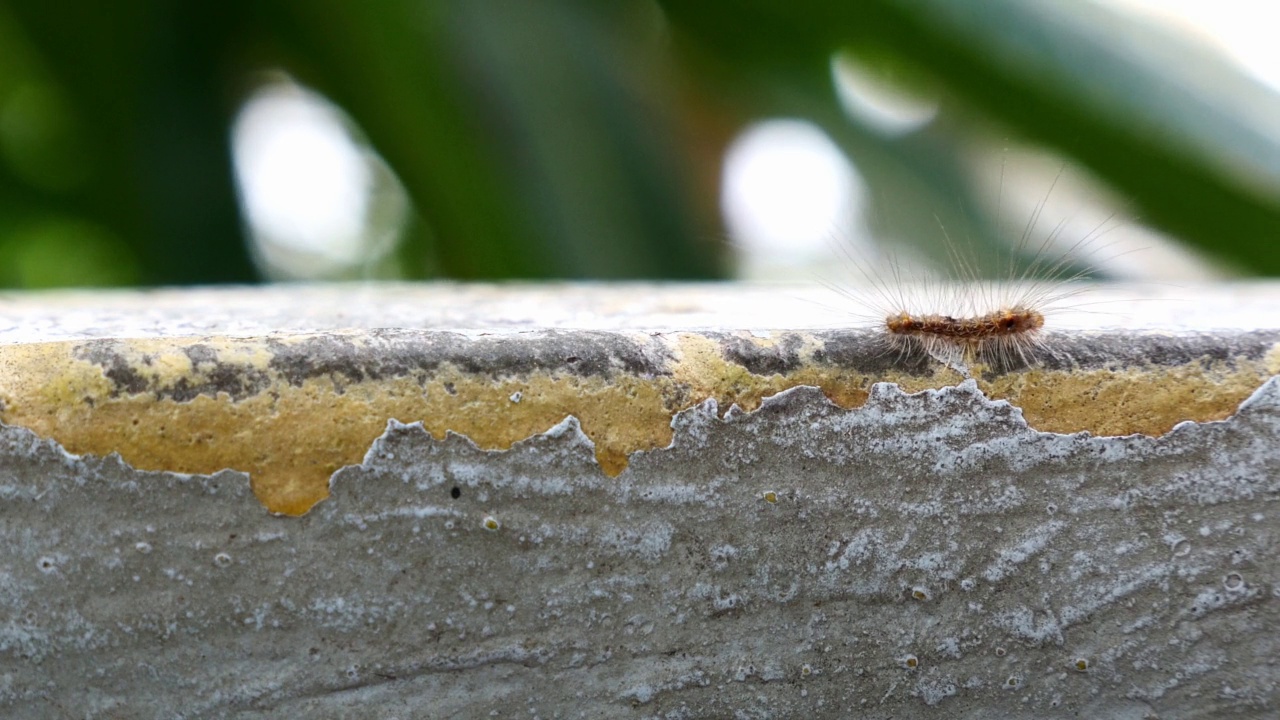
(912, 555)
(129, 373)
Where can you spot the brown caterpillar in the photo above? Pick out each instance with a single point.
(1001, 337)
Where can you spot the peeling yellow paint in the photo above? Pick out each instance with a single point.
(1144, 400)
(291, 436)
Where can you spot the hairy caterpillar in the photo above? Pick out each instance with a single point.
(960, 319)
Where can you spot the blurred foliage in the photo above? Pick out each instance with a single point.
(573, 138)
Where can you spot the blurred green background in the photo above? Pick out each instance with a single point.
(585, 139)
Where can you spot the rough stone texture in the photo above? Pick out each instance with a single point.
(933, 526)
(124, 373)
(922, 555)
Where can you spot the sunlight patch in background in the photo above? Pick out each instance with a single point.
(1243, 30)
(318, 203)
(789, 196)
(797, 208)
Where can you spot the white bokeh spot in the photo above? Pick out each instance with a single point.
(306, 185)
(788, 194)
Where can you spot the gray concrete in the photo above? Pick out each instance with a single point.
(924, 555)
(515, 308)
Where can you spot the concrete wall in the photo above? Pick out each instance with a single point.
(923, 554)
